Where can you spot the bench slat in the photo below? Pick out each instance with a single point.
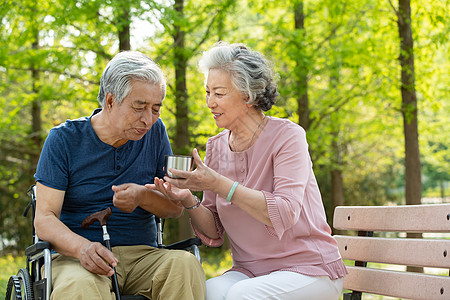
(397, 284)
(411, 252)
(402, 218)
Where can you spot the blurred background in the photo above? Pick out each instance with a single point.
(367, 79)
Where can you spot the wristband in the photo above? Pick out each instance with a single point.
(233, 188)
(197, 203)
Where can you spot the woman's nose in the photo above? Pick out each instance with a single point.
(210, 101)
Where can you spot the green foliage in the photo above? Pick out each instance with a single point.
(348, 51)
(215, 261)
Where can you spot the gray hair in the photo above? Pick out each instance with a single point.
(125, 67)
(250, 72)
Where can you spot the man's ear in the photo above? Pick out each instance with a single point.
(109, 100)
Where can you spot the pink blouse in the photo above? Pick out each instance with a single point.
(279, 165)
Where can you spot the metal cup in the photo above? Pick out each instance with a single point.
(179, 162)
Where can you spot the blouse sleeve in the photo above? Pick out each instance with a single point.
(292, 171)
(209, 201)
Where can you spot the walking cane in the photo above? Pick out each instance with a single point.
(102, 217)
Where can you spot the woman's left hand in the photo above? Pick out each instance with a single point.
(177, 195)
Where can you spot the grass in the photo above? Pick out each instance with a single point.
(9, 265)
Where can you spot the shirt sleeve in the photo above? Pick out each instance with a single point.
(292, 169)
(52, 168)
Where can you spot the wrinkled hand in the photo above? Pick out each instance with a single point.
(201, 179)
(127, 196)
(178, 196)
(95, 258)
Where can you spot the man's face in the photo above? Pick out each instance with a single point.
(137, 113)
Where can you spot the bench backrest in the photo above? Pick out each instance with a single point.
(422, 252)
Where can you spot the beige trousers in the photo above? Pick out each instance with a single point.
(158, 274)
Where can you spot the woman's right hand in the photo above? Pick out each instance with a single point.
(201, 179)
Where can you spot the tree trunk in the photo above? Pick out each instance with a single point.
(301, 71)
(123, 27)
(36, 121)
(337, 181)
(181, 143)
(337, 192)
(413, 183)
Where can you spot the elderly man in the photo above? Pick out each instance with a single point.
(104, 160)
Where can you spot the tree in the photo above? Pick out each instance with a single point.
(413, 183)
(413, 180)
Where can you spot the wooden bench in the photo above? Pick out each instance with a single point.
(379, 236)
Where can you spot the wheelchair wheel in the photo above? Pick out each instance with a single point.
(19, 286)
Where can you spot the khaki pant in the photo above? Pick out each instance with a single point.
(158, 274)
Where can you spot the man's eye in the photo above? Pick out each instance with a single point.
(139, 109)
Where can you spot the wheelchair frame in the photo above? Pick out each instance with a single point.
(29, 283)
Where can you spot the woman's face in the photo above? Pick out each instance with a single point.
(224, 100)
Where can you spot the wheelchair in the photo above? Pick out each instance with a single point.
(31, 283)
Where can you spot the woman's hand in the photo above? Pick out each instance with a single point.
(201, 179)
(181, 197)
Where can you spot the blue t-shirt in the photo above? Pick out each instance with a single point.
(76, 161)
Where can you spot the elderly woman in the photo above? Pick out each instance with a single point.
(259, 188)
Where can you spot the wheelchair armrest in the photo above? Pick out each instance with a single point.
(36, 248)
(182, 245)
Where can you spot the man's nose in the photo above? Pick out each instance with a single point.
(147, 117)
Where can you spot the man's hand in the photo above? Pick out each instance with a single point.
(95, 258)
(127, 196)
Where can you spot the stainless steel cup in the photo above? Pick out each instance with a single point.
(179, 162)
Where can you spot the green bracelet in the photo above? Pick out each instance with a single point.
(233, 188)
